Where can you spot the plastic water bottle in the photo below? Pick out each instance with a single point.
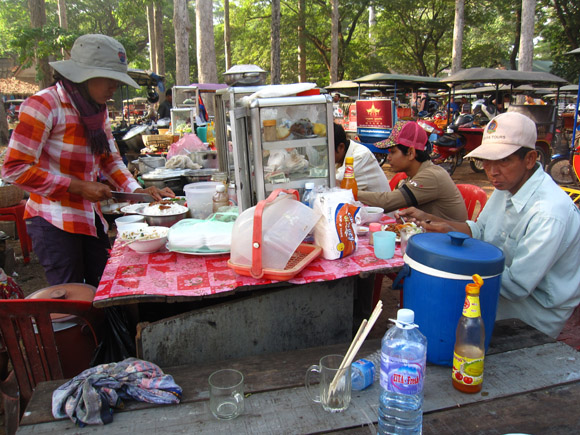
(403, 365)
(308, 196)
(365, 371)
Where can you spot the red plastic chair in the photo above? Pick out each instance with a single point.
(394, 182)
(475, 199)
(26, 331)
(16, 214)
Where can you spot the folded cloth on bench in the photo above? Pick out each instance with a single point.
(89, 398)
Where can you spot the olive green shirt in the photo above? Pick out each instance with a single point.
(431, 190)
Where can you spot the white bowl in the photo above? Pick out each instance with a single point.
(123, 221)
(146, 240)
(126, 230)
(371, 214)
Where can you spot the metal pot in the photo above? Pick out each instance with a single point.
(245, 75)
(148, 163)
(133, 138)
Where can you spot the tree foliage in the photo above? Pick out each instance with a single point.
(410, 36)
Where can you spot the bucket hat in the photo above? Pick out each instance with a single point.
(407, 133)
(504, 135)
(93, 56)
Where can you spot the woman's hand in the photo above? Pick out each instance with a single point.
(156, 193)
(92, 191)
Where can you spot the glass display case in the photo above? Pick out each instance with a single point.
(182, 120)
(186, 97)
(293, 143)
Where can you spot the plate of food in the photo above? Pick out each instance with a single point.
(134, 208)
(362, 230)
(410, 227)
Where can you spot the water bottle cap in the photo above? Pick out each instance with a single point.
(220, 188)
(309, 185)
(405, 315)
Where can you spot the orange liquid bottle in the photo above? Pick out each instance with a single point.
(469, 352)
(349, 181)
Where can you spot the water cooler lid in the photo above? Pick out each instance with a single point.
(70, 291)
(456, 253)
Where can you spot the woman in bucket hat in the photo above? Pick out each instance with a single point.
(59, 152)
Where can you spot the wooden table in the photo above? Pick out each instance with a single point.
(216, 305)
(531, 385)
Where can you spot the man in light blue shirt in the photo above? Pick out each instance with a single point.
(532, 220)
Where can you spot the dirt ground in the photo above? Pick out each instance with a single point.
(31, 278)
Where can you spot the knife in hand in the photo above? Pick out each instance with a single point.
(132, 197)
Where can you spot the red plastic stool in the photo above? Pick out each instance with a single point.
(16, 214)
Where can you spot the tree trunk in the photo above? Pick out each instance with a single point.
(517, 35)
(372, 26)
(458, 36)
(301, 41)
(527, 36)
(159, 44)
(63, 23)
(206, 60)
(334, 42)
(227, 35)
(275, 68)
(150, 9)
(38, 20)
(182, 28)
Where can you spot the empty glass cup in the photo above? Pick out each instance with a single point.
(226, 394)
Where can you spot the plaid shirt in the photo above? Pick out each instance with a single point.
(47, 149)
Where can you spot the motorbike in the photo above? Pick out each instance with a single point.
(565, 163)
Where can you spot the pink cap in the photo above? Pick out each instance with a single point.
(375, 226)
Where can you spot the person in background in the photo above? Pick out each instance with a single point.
(336, 98)
(428, 186)
(368, 173)
(465, 106)
(531, 219)
(453, 105)
(61, 151)
(164, 110)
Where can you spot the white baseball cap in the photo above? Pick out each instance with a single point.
(93, 56)
(504, 135)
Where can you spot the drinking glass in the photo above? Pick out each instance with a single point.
(226, 394)
(384, 243)
(335, 384)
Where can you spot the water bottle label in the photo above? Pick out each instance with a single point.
(467, 371)
(402, 376)
(367, 369)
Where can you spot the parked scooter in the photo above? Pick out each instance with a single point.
(449, 148)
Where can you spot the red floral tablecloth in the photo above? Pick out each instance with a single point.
(172, 274)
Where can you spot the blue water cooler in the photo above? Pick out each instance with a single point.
(437, 268)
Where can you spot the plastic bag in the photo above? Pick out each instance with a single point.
(191, 235)
(118, 338)
(186, 145)
(336, 231)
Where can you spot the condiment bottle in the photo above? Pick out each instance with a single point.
(469, 352)
(348, 181)
(270, 130)
(220, 198)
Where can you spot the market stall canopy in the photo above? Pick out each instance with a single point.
(491, 75)
(145, 78)
(349, 84)
(403, 80)
(209, 87)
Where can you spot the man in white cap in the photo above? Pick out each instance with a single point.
(532, 220)
(61, 151)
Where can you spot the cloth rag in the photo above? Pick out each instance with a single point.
(89, 398)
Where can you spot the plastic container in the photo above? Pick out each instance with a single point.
(270, 130)
(281, 224)
(308, 196)
(365, 371)
(403, 370)
(200, 198)
(220, 198)
(373, 228)
(437, 268)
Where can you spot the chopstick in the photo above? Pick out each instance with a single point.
(355, 345)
